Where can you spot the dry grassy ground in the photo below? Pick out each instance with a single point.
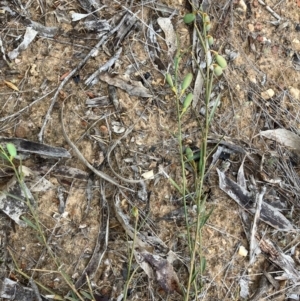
(124, 124)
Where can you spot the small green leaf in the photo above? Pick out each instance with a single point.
(29, 223)
(4, 156)
(187, 101)
(71, 298)
(187, 81)
(218, 70)
(86, 295)
(221, 61)
(11, 150)
(189, 18)
(202, 264)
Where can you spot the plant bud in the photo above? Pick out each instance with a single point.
(218, 70)
(221, 61)
(189, 18)
(189, 154)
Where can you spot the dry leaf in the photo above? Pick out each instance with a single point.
(245, 199)
(11, 85)
(28, 38)
(14, 290)
(13, 200)
(198, 88)
(282, 260)
(170, 34)
(31, 147)
(148, 175)
(284, 137)
(130, 86)
(160, 269)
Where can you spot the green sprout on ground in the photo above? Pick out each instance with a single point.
(215, 64)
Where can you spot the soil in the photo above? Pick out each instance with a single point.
(260, 55)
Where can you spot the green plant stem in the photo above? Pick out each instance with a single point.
(19, 271)
(20, 180)
(202, 166)
(183, 190)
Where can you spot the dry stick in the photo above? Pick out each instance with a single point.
(82, 158)
(35, 290)
(27, 107)
(270, 10)
(101, 243)
(259, 198)
(79, 66)
(104, 67)
(108, 159)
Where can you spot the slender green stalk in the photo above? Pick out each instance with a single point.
(215, 64)
(37, 225)
(19, 271)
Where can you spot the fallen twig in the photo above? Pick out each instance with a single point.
(93, 78)
(271, 11)
(253, 243)
(82, 158)
(101, 243)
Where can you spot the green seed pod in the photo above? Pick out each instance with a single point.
(169, 80)
(189, 18)
(11, 150)
(187, 81)
(210, 40)
(207, 26)
(218, 70)
(189, 154)
(187, 102)
(135, 212)
(205, 17)
(221, 61)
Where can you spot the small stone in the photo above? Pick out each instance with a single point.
(296, 44)
(267, 94)
(295, 93)
(103, 129)
(251, 27)
(21, 131)
(243, 251)
(243, 5)
(258, 26)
